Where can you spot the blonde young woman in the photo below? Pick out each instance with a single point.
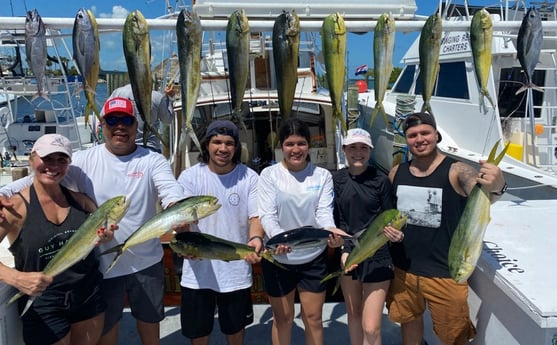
(68, 309)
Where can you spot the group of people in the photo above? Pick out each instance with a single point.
(85, 305)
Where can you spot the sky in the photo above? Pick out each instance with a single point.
(359, 47)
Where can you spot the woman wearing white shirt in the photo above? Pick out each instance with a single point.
(292, 194)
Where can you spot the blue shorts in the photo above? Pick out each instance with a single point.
(198, 311)
(280, 282)
(145, 296)
(51, 315)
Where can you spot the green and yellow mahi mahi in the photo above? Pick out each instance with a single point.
(429, 45)
(286, 46)
(371, 240)
(83, 241)
(466, 243)
(185, 211)
(333, 38)
(205, 246)
(137, 52)
(189, 36)
(481, 33)
(383, 47)
(237, 48)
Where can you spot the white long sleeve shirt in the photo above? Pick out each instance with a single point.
(288, 200)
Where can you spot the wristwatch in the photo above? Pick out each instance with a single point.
(503, 190)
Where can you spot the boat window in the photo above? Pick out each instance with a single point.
(512, 105)
(405, 81)
(452, 82)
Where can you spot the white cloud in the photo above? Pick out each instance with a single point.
(117, 12)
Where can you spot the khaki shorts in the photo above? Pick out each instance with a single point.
(447, 302)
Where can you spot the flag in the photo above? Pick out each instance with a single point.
(361, 70)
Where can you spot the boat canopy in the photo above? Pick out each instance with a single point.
(308, 9)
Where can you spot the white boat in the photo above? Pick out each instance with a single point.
(511, 297)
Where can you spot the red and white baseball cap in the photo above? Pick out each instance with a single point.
(118, 105)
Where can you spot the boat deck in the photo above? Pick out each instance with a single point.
(259, 332)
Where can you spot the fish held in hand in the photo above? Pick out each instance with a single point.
(204, 246)
(186, 211)
(83, 241)
(371, 240)
(467, 241)
(305, 244)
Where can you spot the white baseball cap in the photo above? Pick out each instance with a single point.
(51, 143)
(357, 135)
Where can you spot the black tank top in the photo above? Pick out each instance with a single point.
(434, 209)
(40, 239)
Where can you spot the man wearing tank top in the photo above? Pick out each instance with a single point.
(432, 190)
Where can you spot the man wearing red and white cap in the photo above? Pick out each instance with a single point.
(162, 112)
(121, 167)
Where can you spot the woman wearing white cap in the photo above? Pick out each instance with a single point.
(69, 308)
(361, 193)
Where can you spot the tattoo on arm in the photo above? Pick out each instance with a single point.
(467, 177)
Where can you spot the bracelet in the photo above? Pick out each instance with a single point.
(254, 237)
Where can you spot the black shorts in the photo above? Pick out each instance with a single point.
(280, 282)
(145, 296)
(197, 314)
(373, 271)
(51, 315)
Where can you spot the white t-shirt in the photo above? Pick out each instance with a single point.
(237, 193)
(288, 200)
(142, 176)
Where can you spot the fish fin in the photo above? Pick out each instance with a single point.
(27, 305)
(116, 249)
(113, 262)
(373, 115)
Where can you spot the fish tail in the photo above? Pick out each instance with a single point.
(331, 276)
(113, 262)
(486, 94)
(193, 136)
(373, 114)
(269, 257)
(338, 116)
(15, 297)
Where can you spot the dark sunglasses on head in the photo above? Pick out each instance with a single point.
(114, 120)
